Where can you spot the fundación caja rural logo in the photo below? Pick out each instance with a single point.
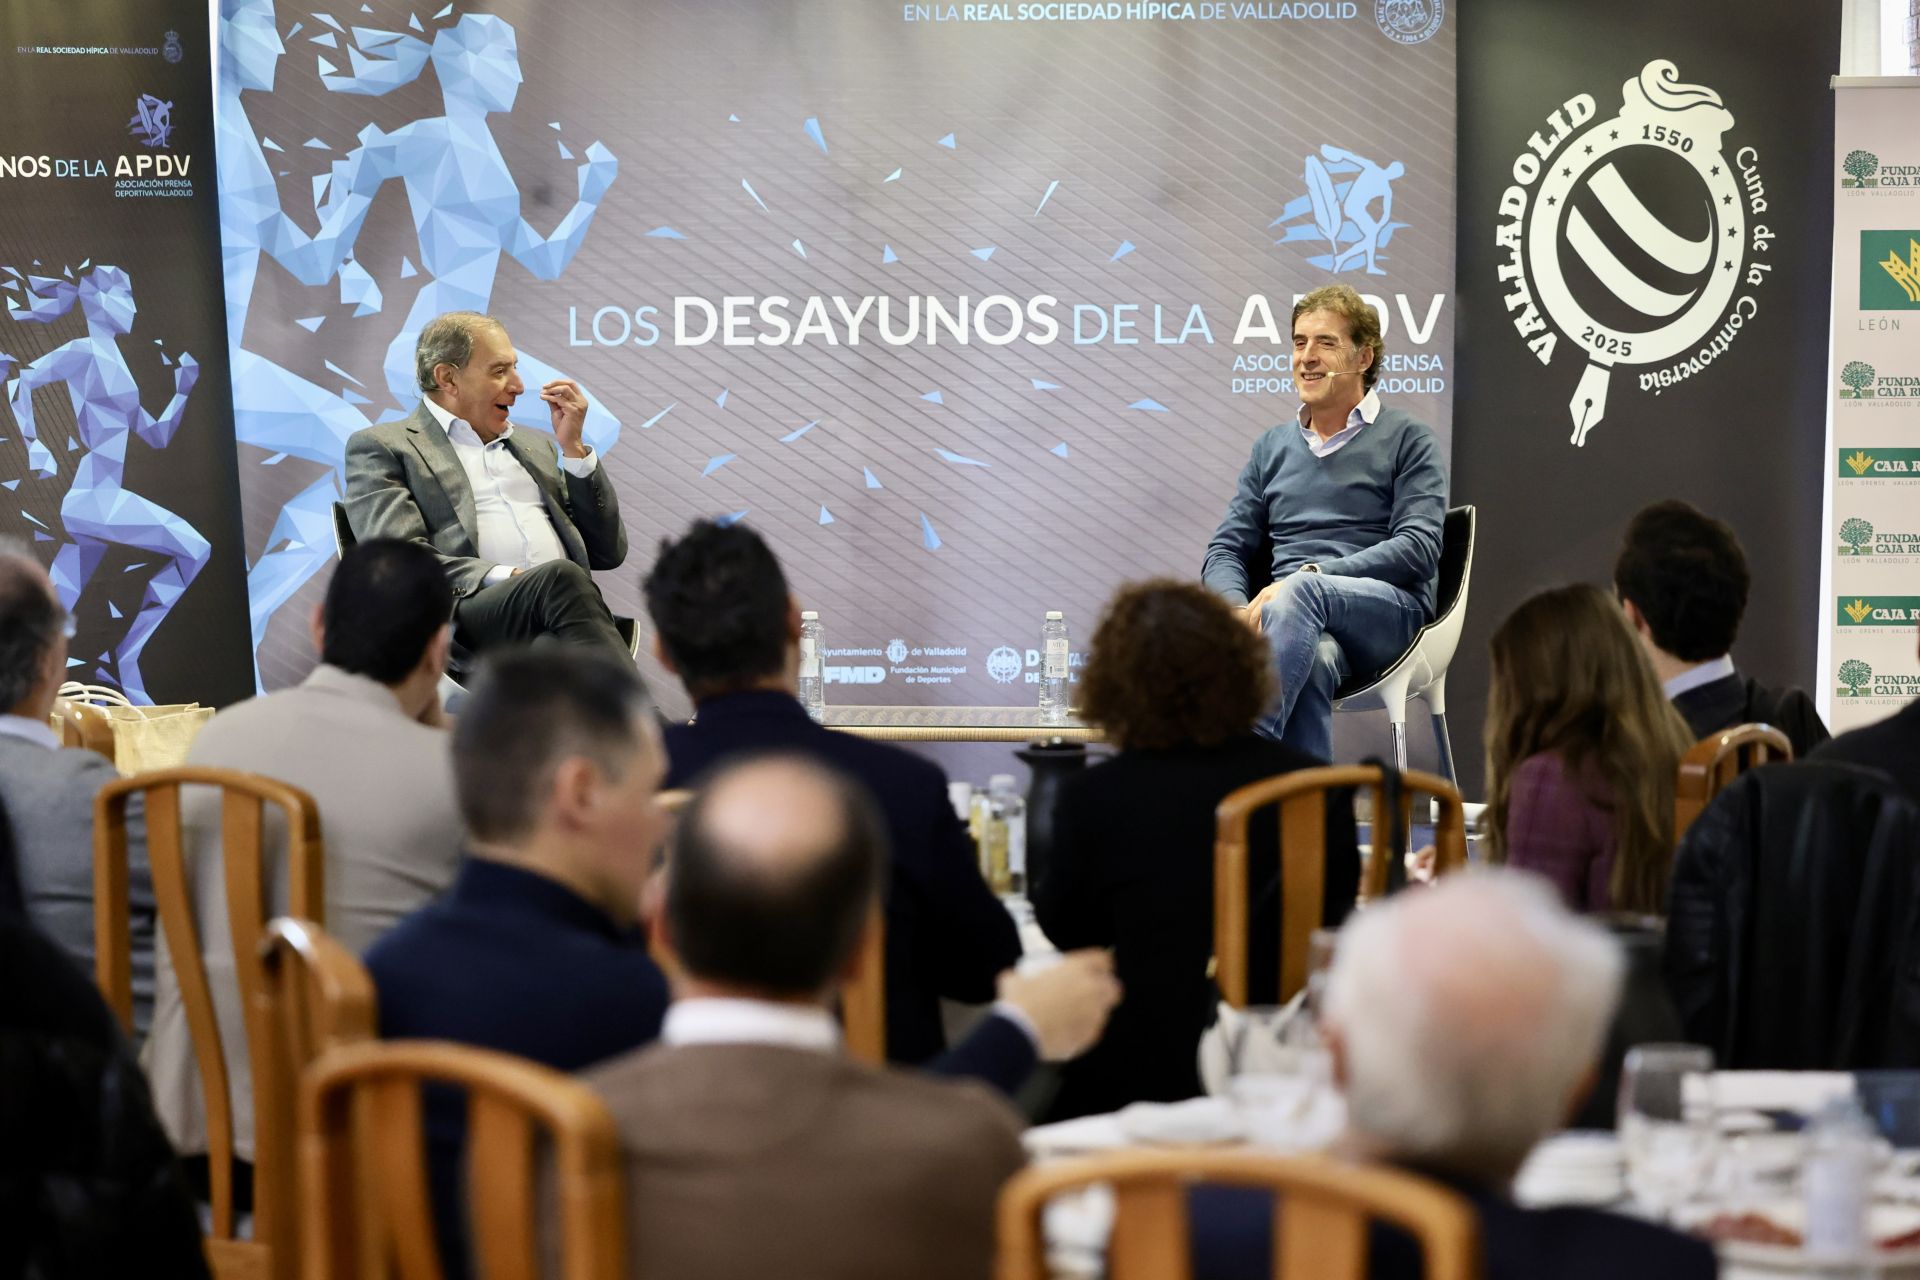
(1860, 382)
(1861, 171)
(1857, 679)
(1859, 537)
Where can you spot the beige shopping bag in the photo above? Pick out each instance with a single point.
(144, 738)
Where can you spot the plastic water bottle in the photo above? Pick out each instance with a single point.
(813, 686)
(1053, 668)
(1006, 836)
(1842, 1150)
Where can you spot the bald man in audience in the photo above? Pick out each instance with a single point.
(48, 793)
(1465, 1021)
(754, 1147)
(363, 736)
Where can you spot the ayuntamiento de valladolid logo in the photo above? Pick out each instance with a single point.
(1628, 238)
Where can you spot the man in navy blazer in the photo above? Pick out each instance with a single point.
(725, 621)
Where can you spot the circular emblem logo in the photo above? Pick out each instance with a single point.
(896, 651)
(1003, 664)
(1632, 236)
(171, 51)
(1409, 21)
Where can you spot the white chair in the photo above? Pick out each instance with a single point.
(1421, 672)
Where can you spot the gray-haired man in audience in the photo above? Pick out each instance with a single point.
(1465, 1022)
(48, 793)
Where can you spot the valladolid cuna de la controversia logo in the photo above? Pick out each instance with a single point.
(1628, 238)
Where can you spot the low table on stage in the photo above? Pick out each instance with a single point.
(955, 724)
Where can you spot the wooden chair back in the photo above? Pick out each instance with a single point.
(347, 1166)
(1302, 798)
(1321, 1212)
(244, 797)
(87, 727)
(315, 996)
(1716, 760)
(863, 1002)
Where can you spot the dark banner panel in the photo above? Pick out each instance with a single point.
(116, 438)
(1645, 210)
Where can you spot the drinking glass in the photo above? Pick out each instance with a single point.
(1273, 1079)
(1667, 1126)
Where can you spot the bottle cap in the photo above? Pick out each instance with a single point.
(1054, 615)
(809, 615)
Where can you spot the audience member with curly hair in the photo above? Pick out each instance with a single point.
(1176, 681)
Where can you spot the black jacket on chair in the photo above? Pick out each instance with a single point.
(1891, 746)
(1132, 869)
(1793, 932)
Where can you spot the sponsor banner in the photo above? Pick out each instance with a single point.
(1639, 195)
(1874, 622)
(116, 447)
(974, 310)
(1873, 676)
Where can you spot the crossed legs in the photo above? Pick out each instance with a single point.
(1321, 628)
(557, 600)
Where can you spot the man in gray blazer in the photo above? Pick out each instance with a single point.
(753, 1146)
(516, 530)
(363, 736)
(48, 793)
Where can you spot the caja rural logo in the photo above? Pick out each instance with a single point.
(1628, 237)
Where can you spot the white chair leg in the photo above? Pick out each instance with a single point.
(1399, 728)
(1436, 697)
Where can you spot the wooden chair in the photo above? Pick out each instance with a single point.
(315, 995)
(863, 1001)
(1321, 1211)
(243, 802)
(1302, 798)
(1716, 760)
(346, 1167)
(85, 726)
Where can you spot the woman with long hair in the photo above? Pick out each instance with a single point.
(1582, 752)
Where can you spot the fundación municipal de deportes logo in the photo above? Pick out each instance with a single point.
(1890, 270)
(1627, 238)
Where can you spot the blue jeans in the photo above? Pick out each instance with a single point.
(1321, 628)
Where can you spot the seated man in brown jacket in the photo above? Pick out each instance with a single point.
(754, 1147)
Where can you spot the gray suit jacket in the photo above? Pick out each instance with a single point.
(405, 481)
(746, 1161)
(392, 832)
(48, 794)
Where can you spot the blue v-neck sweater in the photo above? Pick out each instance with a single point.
(1374, 508)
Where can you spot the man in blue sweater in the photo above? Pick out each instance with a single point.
(1331, 544)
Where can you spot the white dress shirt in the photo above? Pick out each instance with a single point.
(32, 730)
(719, 1020)
(1366, 411)
(515, 531)
(1705, 673)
